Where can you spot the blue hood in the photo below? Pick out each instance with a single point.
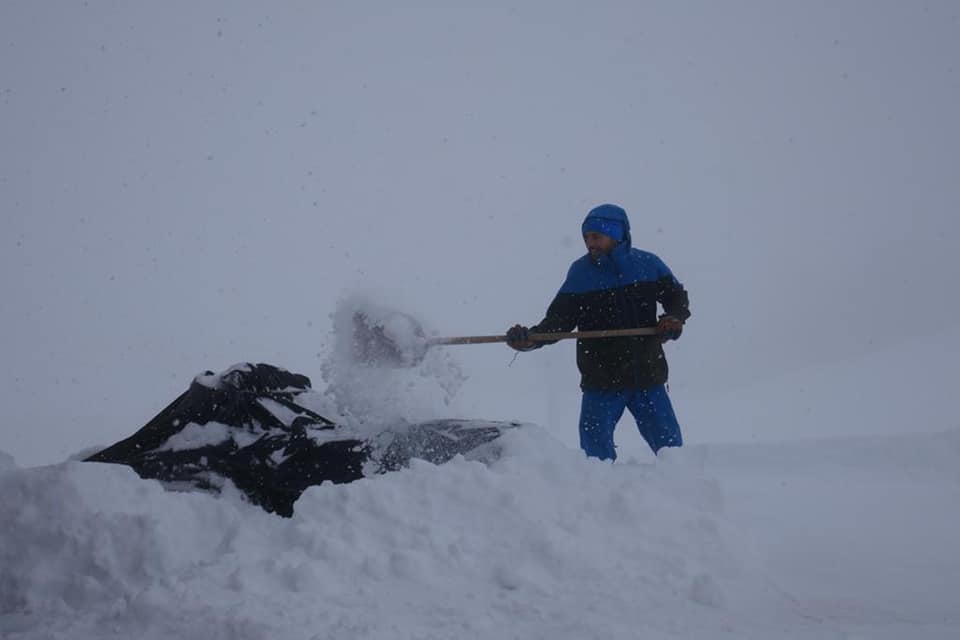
(616, 214)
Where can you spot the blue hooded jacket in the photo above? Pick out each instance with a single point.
(620, 290)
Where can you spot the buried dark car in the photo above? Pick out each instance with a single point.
(253, 425)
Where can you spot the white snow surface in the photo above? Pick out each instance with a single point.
(196, 436)
(851, 538)
(217, 380)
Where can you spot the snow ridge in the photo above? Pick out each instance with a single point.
(741, 541)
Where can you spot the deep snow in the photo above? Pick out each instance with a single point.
(845, 538)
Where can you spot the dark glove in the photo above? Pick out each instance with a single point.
(669, 328)
(518, 337)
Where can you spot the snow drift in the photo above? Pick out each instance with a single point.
(709, 541)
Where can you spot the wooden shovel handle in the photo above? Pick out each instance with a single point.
(549, 337)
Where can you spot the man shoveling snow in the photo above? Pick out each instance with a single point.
(615, 286)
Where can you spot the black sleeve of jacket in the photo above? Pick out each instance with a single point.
(563, 315)
(674, 299)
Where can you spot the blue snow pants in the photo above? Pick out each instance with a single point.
(601, 410)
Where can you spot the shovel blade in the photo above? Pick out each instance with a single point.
(393, 341)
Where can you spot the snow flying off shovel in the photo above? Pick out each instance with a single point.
(400, 340)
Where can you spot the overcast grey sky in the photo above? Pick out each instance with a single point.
(184, 186)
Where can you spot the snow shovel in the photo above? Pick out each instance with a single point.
(403, 343)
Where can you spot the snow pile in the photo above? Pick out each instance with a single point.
(86, 545)
(805, 540)
(542, 544)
